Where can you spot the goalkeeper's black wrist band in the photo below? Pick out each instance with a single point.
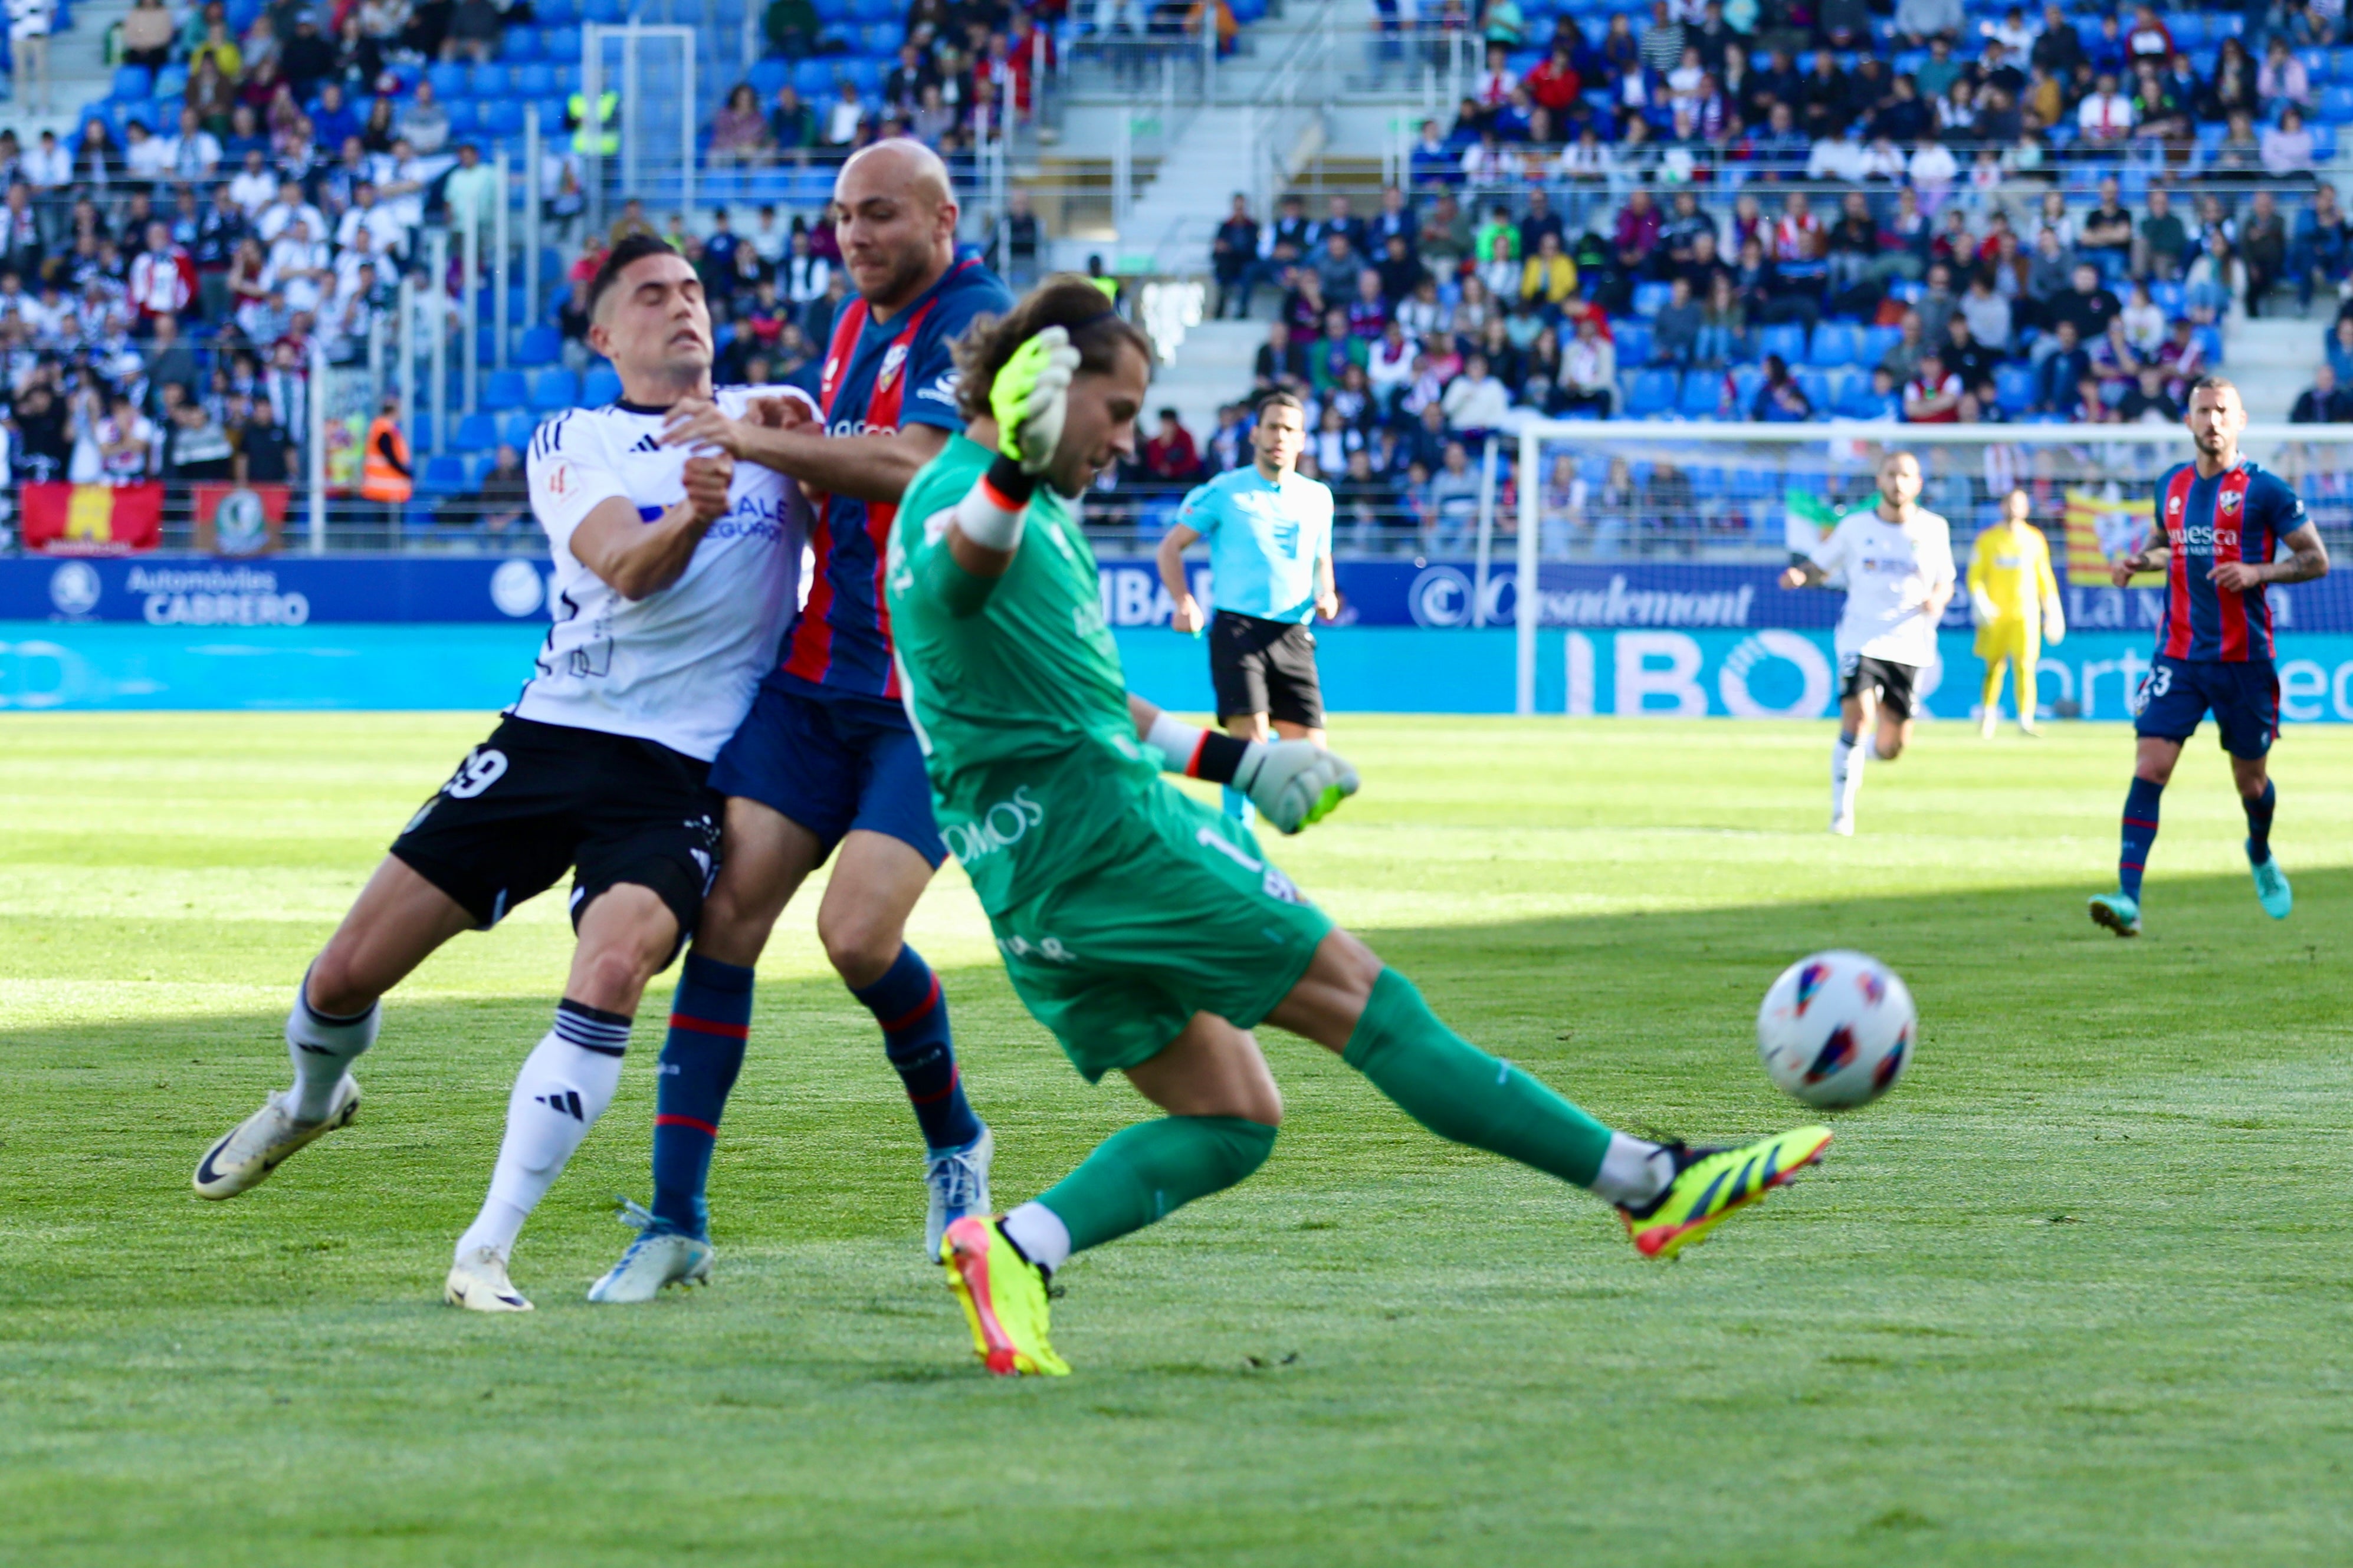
(1219, 758)
(1011, 488)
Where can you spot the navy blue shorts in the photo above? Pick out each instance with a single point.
(2177, 693)
(831, 761)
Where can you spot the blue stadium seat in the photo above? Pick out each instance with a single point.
(465, 118)
(505, 389)
(525, 44)
(132, 84)
(556, 13)
(172, 81)
(1651, 392)
(1817, 388)
(2336, 105)
(1855, 399)
(477, 433)
(2210, 340)
(867, 74)
(610, 12)
(2013, 387)
(514, 429)
(420, 429)
(2167, 296)
(2323, 143)
(1787, 340)
(504, 117)
(1877, 342)
(538, 346)
(1632, 340)
(478, 465)
(1650, 299)
(448, 81)
(490, 82)
(536, 79)
(1746, 380)
(443, 476)
(560, 47)
(767, 76)
(1835, 344)
(1703, 392)
(813, 79)
(1844, 382)
(2316, 64)
(603, 386)
(567, 66)
(554, 390)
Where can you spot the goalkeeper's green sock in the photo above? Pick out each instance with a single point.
(1137, 1176)
(1459, 1092)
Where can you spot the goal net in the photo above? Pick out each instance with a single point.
(1653, 546)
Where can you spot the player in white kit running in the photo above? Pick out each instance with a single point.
(674, 576)
(1896, 561)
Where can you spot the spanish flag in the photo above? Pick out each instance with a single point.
(2102, 528)
(92, 520)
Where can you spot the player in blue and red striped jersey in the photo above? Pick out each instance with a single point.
(826, 758)
(2223, 518)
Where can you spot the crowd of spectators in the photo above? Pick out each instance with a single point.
(1699, 220)
(961, 68)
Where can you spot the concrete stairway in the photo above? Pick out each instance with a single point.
(78, 74)
(2272, 358)
(1212, 367)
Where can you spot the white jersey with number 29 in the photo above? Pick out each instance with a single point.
(679, 666)
(1890, 572)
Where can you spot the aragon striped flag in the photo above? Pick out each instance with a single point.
(92, 520)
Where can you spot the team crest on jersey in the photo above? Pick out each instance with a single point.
(892, 358)
(2172, 505)
(2229, 501)
(559, 478)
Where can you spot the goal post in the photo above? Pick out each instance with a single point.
(1669, 493)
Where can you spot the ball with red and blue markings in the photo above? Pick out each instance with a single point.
(1836, 1029)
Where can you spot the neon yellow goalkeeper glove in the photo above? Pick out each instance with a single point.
(1294, 783)
(1030, 398)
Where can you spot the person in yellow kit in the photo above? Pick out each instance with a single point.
(2016, 599)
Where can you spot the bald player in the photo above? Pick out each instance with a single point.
(827, 759)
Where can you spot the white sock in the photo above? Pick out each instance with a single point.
(1633, 1171)
(1041, 1234)
(565, 1086)
(1876, 755)
(324, 1049)
(1847, 758)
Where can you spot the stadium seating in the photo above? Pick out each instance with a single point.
(554, 390)
(1651, 392)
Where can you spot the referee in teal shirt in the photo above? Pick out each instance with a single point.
(1269, 534)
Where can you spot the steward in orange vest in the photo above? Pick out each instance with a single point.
(386, 472)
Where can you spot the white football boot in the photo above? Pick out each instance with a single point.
(479, 1283)
(260, 1143)
(959, 1180)
(660, 1256)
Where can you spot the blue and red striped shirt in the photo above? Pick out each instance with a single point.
(2240, 514)
(879, 377)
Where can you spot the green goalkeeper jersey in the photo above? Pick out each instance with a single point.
(1014, 689)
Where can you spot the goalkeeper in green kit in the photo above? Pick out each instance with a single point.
(1147, 930)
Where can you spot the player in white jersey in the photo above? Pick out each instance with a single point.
(1896, 562)
(674, 578)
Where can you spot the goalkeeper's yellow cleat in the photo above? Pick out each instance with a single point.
(1004, 1299)
(1712, 1182)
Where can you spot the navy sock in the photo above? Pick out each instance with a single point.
(914, 1018)
(2259, 821)
(2140, 832)
(710, 1016)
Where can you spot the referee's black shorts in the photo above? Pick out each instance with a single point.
(1264, 667)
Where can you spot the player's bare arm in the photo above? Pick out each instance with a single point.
(636, 559)
(1327, 589)
(1804, 574)
(1188, 616)
(2306, 559)
(2141, 561)
(875, 468)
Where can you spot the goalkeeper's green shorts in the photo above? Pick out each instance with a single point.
(1186, 916)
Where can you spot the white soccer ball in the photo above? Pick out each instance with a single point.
(1836, 1029)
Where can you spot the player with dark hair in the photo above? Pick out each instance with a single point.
(1269, 534)
(2221, 519)
(675, 572)
(1148, 932)
(1896, 558)
(825, 760)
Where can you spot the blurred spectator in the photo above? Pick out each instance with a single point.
(265, 452)
(2323, 402)
(1780, 399)
(2059, 371)
(424, 124)
(476, 27)
(1588, 368)
(1169, 454)
(148, 32)
(739, 133)
(196, 449)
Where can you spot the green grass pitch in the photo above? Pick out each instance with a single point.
(2080, 1291)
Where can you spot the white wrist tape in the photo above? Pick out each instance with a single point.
(1177, 742)
(986, 523)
